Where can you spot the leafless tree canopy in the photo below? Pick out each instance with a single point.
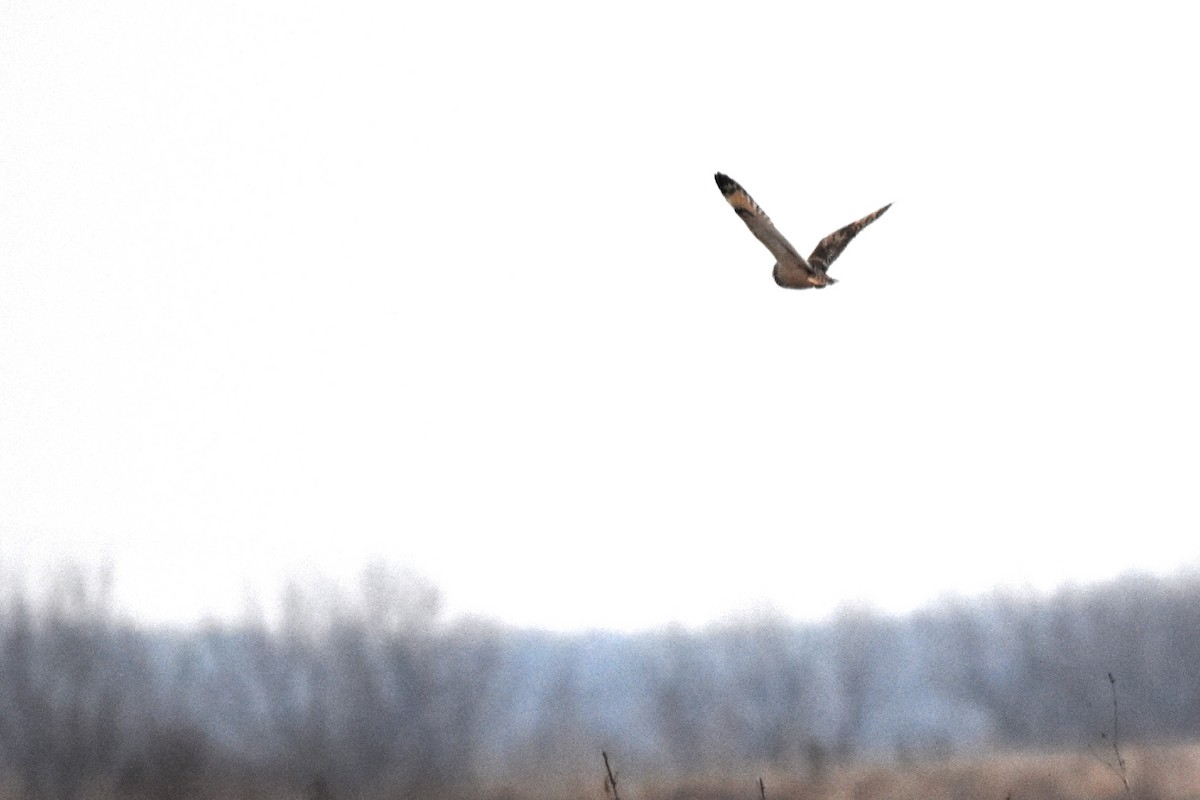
(371, 692)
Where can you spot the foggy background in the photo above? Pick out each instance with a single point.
(371, 693)
(390, 403)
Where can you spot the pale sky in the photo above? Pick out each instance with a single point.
(290, 287)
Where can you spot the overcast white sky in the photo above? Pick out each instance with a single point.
(288, 287)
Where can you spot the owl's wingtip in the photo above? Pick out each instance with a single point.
(725, 183)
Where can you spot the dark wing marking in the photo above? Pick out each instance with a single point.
(832, 245)
(760, 224)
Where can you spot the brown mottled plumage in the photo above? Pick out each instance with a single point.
(791, 270)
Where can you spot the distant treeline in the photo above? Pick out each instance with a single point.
(370, 694)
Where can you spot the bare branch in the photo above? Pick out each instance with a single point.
(611, 778)
(1119, 768)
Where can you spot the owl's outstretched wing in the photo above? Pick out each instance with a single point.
(832, 245)
(760, 224)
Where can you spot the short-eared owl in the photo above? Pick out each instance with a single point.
(791, 270)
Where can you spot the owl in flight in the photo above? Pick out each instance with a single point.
(791, 270)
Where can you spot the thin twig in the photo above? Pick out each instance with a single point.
(611, 778)
(762, 790)
(1120, 769)
(1116, 742)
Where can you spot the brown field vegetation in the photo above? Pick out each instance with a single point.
(1161, 772)
(1166, 772)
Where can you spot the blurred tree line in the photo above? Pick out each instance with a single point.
(368, 692)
